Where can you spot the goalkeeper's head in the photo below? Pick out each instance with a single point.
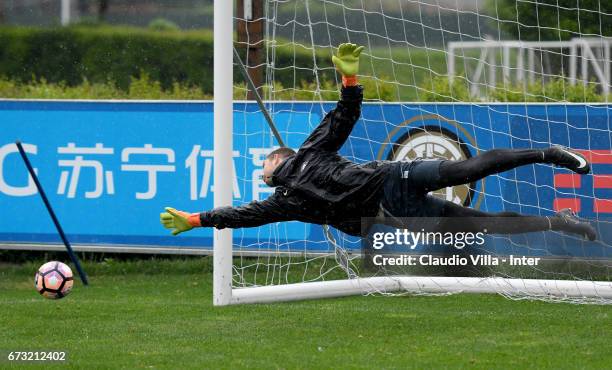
(273, 160)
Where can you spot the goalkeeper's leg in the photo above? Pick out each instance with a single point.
(511, 222)
(453, 173)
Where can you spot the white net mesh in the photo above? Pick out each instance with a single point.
(447, 80)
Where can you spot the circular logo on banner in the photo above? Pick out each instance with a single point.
(435, 143)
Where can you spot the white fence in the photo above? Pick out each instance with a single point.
(522, 61)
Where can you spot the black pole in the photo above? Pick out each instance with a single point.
(73, 256)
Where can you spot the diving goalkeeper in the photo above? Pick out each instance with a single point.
(317, 185)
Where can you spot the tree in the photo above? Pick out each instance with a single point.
(83, 7)
(552, 20)
(102, 9)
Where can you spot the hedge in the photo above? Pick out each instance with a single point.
(439, 89)
(106, 53)
(144, 87)
(436, 90)
(101, 54)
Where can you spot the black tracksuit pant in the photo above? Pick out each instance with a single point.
(406, 191)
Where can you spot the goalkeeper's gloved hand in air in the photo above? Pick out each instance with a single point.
(347, 62)
(179, 221)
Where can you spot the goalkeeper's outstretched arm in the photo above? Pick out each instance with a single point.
(256, 213)
(337, 125)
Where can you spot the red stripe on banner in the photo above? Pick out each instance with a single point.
(567, 181)
(562, 203)
(603, 206)
(602, 181)
(597, 156)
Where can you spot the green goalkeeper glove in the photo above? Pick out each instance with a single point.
(179, 221)
(347, 60)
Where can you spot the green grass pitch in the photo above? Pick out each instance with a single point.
(159, 314)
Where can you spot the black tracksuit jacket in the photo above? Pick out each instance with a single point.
(317, 185)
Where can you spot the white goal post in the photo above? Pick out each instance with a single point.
(229, 284)
(520, 57)
(223, 131)
(534, 288)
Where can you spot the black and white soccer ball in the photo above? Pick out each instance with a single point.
(54, 280)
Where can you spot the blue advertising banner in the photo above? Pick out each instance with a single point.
(110, 168)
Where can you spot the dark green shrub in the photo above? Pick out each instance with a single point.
(102, 54)
(440, 89)
(555, 90)
(161, 24)
(142, 88)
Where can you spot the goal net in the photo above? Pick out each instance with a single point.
(443, 79)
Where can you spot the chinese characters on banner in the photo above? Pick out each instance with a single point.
(149, 161)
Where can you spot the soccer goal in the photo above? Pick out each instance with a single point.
(442, 80)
